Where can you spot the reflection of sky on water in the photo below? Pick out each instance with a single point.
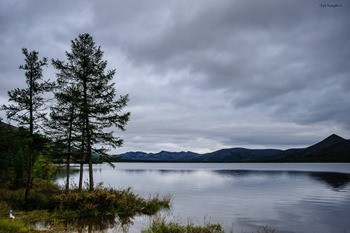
(287, 200)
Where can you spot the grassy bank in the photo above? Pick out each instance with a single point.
(13, 226)
(48, 203)
(161, 225)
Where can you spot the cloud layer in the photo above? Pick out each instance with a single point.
(202, 75)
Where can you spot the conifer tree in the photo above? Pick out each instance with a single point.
(64, 125)
(95, 103)
(28, 104)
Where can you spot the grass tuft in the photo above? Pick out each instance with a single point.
(6, 225)
(160, 225)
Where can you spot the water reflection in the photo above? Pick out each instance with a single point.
(337, 181)
(247, 195)
(98, 224)
(61, 171)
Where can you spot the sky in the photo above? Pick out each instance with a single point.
(202, 75)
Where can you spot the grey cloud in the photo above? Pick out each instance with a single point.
(280, 53)
(216, 73)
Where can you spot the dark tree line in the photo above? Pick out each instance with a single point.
(83, 109)
(13, 155)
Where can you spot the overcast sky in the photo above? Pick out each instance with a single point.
(202, 75)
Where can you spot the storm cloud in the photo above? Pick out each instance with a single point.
(201, 74)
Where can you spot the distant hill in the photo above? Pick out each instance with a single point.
(239, 155)
(3, 125)
(331, 149)
(161, 156)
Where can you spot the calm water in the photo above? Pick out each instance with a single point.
(286, 197)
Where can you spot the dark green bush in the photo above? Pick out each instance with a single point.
(41, 196)
(14, 198)
(108, 201)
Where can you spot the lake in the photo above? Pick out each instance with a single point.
(287, 197)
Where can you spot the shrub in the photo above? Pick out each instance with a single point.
(14, 198)
(108, 201)
(154, 204)
(160, 225)
(41, 196)
(9, 226)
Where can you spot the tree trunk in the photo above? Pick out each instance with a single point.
(69, 149)
(81, 173)
(29, 173)
(68, 172)
(91, 173)
(89, 154)
(88, 135)
(30, 145)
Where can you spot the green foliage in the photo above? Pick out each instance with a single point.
(9, 226)
(48, 203)
(43, 168)
(13, 159)
(160, 225)
(13, 175)
(154, 204)
(13, 198)
(41, 197)
(4, 208)
(108, 201)
(35, 216)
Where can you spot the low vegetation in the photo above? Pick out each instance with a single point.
(13, 226)
(108, 201)
(55, 205)
(160, 225)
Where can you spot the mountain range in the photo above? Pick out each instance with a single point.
(332, 149)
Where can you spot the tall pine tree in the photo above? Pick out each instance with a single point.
(95, 104)
(28, 104)
(64, 125)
